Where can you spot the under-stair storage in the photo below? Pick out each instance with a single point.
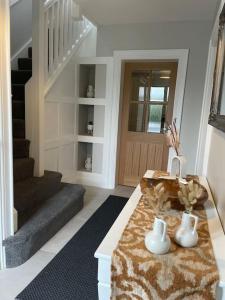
(90, 157)
(91, 120)
(94, 92)
(94, 76)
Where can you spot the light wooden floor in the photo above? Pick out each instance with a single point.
(13, 281)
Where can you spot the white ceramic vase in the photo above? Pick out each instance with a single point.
(88, 164)
(90, 91)
(186, 235)
(157, 241)
(178, 166)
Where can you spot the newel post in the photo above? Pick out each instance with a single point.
(38, 86)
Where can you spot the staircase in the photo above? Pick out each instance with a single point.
(44, 204)
(30, 192)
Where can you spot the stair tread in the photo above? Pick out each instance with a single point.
(18, 120)
(18, 91)
(23, 168)
(21, 148)
(20, 76)
(20, 140)
(34, 191)
(25, 63)
(18, 109)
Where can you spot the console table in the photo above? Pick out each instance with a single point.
(105, 250)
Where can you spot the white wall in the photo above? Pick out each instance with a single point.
(61, 112)
(20, 24)
(216, 169)
(174, 35)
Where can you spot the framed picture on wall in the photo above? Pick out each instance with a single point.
(217, 112)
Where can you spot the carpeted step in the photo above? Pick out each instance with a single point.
(18, 92)
(23, 168)
(21, 148)
(18, 109)
(30, 52)
(20, 76)
(44, 224)
(25, 63)
(18, 128)
(31, 193)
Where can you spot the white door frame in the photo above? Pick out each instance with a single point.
(6, 159)
(181, 56)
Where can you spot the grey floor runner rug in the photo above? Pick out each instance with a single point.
(72, 274)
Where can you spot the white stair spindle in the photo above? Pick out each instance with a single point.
(56, 36)
(51, 22)
(70, 25)
(46, 43)
(61, 46)
(65, 27)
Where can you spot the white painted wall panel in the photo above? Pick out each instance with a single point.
(67, 118)
(60, 115)
(51, 159)
(52, 121)
(66, 158)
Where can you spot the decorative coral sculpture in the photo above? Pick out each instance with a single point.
(157, 198)
(188, 194)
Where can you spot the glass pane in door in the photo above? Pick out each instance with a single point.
(156, 118)
(160, 83)
(140, 86)
(136, 118)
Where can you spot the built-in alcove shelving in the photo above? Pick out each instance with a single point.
(96, 72)
(94, 75)
(93, 151)
(94, 114)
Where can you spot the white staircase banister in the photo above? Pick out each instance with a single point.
(57, 32)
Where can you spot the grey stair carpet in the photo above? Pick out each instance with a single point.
(20, 76)
(43, 204)
(73, 272)
(23, 168)
(18, 128)
(31, 193)
(18, 91)
(21, 148)
(50, 217)
(25, 63)
(18, 109)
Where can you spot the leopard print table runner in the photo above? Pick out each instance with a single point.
(183, 273)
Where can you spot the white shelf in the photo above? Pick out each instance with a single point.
(92, 101)
(90, 139)
(96, 72)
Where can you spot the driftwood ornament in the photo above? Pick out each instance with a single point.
(188, 194)
(195, 191)
(156, 198)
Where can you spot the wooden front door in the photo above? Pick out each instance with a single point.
(148, 99)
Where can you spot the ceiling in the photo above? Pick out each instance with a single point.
(105, 12)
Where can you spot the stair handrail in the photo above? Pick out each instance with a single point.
(58, 28)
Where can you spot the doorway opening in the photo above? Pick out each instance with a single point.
(147, 105)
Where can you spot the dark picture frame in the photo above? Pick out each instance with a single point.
(217, 118)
